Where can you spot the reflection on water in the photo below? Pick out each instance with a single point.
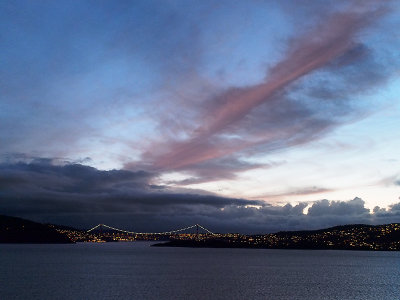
(137, 271)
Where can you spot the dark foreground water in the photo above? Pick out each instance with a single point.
(137, 271)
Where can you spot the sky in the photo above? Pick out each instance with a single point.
(244, 116)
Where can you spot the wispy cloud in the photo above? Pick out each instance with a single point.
(296, 192)
(270, 115)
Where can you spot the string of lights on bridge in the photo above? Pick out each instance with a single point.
(151, 233)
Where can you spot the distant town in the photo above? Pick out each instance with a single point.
(347, 237)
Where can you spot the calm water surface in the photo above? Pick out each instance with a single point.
(137, 271)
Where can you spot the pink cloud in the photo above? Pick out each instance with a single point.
(215, 136)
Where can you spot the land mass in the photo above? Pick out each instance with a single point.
(347, 237)
(17, 230)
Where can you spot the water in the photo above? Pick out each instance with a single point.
(137, 271)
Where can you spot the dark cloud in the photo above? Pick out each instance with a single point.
(393, 211)
(325, 207)
(83, 196)
(43, 188)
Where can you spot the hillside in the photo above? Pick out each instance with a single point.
(347, 237)
(17, 230)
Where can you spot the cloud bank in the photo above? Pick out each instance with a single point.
(79, 195)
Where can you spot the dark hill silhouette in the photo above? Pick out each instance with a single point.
(17, 230)
(345, 237)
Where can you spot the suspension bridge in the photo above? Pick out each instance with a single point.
(172, 232)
